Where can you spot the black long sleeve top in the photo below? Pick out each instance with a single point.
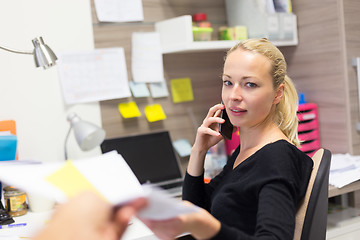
(258, 198)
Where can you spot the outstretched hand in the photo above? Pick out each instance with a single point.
(89, 217)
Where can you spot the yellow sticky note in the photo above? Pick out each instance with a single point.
(129, 110)
(154, 113)
(181, 90)
(71, 181)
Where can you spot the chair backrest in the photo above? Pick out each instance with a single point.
(311, 215)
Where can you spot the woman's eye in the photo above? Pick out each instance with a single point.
(227, 83)
(251, 85)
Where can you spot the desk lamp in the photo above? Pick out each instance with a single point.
(43, 55)
(87, 135)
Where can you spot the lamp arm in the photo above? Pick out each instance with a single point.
(16, 51)
(66, 139)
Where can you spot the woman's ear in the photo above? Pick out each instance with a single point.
(279, 93)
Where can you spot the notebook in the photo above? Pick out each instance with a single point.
(151, 157)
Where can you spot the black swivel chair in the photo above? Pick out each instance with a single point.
(311, 216)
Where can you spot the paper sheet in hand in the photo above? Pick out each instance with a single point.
(108, 175)
(162, 206)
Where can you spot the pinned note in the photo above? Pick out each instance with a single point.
(159, 90)
(181, 90)
(71, 181)
(154, 113)
(119, 10)
(147, 59)
(129, 110)
(93, 75)
(139, 89)
(182, 147)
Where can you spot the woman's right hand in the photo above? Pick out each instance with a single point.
(208, 133)
(207, 136)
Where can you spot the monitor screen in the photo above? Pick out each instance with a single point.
(150, 156)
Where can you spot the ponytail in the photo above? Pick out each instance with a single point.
(285, 112)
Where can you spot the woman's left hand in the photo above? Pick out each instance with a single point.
(200, 224)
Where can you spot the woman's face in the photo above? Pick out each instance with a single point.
(248, 92)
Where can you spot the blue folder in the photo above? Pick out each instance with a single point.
(8, 145)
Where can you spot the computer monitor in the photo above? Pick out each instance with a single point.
(150, 156)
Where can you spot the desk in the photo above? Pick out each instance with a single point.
(36, 221)
(334, 191)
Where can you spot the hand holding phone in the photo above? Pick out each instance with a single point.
(226, 128)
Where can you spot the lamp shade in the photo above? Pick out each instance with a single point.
(87, 135)
(43, 55)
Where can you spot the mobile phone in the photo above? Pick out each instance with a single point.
(226, 128)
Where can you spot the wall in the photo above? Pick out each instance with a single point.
(351, 33)
(320, 66)
(31, 96)
(203, 68)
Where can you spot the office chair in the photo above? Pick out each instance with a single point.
(311, 215)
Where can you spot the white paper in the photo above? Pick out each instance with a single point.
(162, 206)
(30, 178)
(5, 133)
(159, 89)
(146, 61)
(95, 75)
(344, 169)
(119, 10)
(108, 173)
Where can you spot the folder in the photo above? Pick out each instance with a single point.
(8, 147)
(10, 126)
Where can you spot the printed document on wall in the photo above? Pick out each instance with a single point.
(119, 10)
(147, 62)
(95, 75)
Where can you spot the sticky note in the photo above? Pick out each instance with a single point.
(129, 110)
(71, 181)
(139, 89)
(181, 90)
(182, 147)
(159, 90)
(154, 113)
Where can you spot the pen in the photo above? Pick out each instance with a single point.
(12, 225)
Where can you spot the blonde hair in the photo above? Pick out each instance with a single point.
(285, 111)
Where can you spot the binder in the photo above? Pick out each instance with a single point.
(8, 143)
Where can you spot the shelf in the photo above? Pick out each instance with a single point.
(176, 37)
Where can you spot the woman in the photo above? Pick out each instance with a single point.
(256, 194)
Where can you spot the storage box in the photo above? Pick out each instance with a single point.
(202, 33)
(308, 128)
